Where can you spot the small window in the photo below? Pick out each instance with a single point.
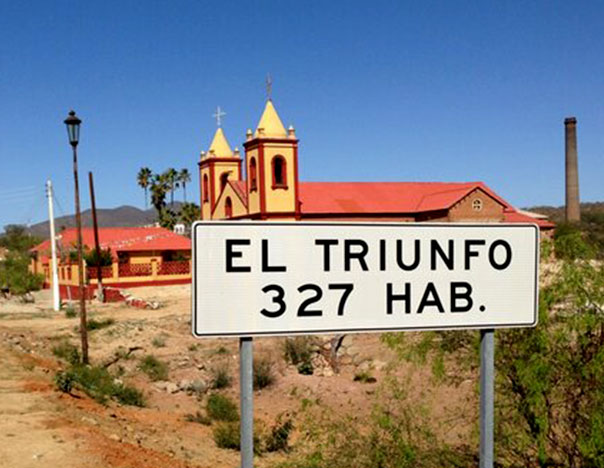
(253, 177)
(223, 180)
(206, 188)
(228, 208)
(477, 204)
(279, 172)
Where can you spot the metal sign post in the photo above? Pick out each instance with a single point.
(487, 397)
(246, 385)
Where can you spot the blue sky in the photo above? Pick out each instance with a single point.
(400, 91)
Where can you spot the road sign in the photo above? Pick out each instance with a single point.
(285, 278)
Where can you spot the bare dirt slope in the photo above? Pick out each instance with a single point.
(41, 425)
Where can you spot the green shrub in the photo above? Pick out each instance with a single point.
(159, 341)
(297, 350)
(221, 408)
(15, 274)
(92, 259)
(221, 378)
(226, 435)
(93, 324)
(305, 368)
(67, 352)
(199, 418)
(364, 377)
(263, 373)
(99, 384)
(154, 368)
(64, 381)
(278, 439)
(70, 312)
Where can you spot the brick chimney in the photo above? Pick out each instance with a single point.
(573, 213)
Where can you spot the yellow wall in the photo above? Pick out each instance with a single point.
(238, 207)
(279, 199)
(253, 197)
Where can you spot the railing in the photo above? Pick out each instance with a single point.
(135, 269)
(106, 272)
(174, 268)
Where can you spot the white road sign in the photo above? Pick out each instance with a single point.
(265, 278)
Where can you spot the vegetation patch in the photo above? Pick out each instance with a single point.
(99, 384)
(221, 408)
(154, 368)
(221, 377)
(263, 373)
(364, 377)
(67, 352)
(199, 418)
(94, 324)
(159, 341)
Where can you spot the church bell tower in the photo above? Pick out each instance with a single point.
(271, 158)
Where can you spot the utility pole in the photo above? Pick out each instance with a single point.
(56, 298)
(99, 268)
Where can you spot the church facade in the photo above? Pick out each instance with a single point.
(271, 189)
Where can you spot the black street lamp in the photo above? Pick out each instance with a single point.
(73, 131)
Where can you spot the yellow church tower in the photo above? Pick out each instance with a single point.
(219, 164)
(271, 158)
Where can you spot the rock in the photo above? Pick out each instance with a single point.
(171, 387)
(115, 437)
(328, 372)
(88, 420)
(379, 365)
(161, 385)
(184, 384)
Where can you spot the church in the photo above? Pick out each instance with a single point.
(270, 188)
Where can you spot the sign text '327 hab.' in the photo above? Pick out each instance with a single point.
(262, 278)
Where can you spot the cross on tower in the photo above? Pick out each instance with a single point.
(218, 116)
(269, 86)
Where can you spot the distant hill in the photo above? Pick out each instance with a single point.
(556, 213)
(121, 216)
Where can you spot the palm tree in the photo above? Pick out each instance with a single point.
(189, 212)
(185, 177)
(159, 188)
(144, 180)
(173, 182)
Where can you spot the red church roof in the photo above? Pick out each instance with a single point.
(385, 197)
(121, 239)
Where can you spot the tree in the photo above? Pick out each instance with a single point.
(189, 213)
(549, 384)
(159, 189)
(14, 269)
(17, 239)
(144, 179)
(171, 177)
(184, 178)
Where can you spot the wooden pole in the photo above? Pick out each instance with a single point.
(99, 268)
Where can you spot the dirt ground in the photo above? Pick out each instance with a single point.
(42, 426)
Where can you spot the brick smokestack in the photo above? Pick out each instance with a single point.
(573, 213)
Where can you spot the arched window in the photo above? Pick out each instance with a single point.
(228, 208)
(477, 204)
(206, 188)
(223, 180)
(253, 177)
(279, 172)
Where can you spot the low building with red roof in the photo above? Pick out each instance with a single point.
(140, 256)
(272, 190)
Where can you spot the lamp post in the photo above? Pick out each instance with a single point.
(73, 131)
